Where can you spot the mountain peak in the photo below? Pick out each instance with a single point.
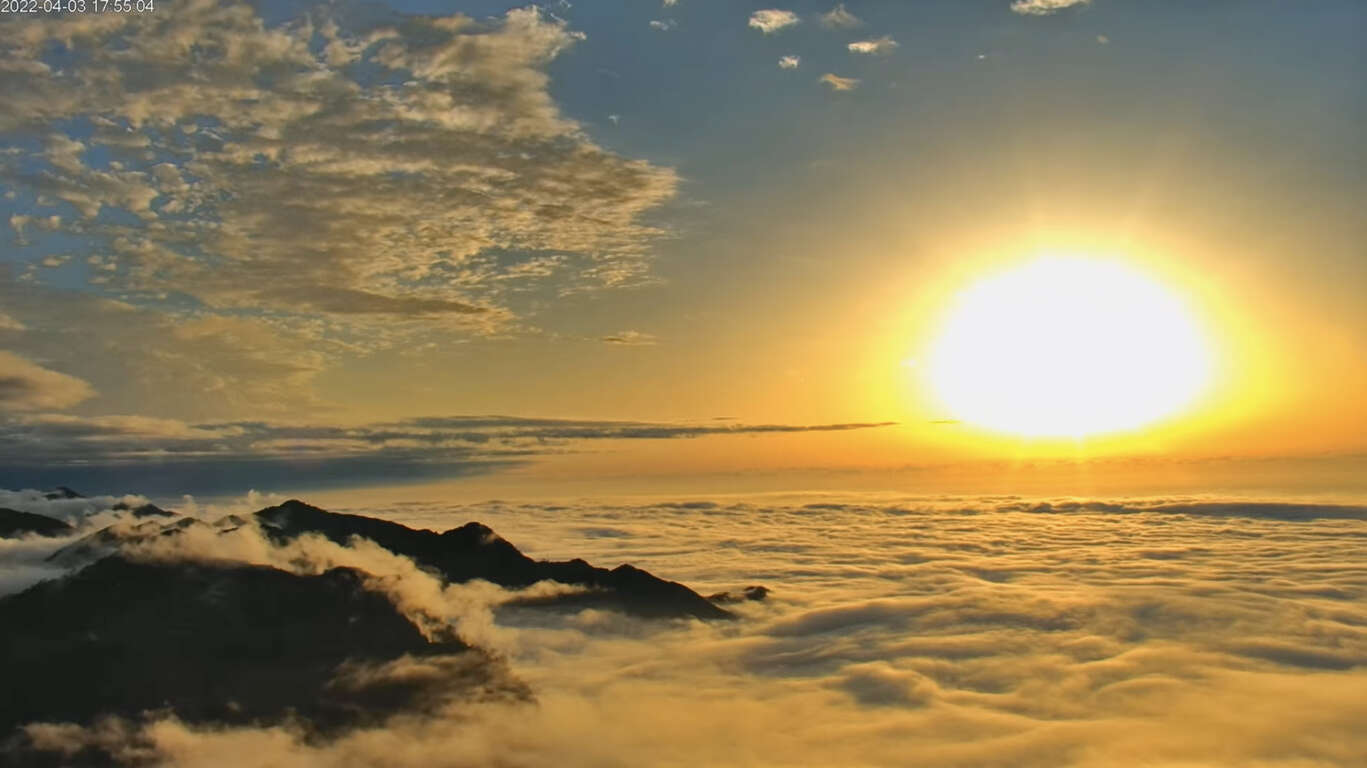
(62, 492)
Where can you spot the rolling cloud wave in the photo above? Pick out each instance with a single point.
(948, 631)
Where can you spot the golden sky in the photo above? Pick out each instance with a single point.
(321, 246)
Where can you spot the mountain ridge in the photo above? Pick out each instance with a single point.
(474, 551)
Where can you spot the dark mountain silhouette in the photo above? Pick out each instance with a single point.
(143, 510)
(474, 551)
(14, 523)
(225, 643)
(109, 539)
(749, 593)
(230, 643)
(62, 492)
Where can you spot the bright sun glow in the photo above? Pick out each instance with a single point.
(1067, 347)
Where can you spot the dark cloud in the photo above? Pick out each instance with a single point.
(165, 455)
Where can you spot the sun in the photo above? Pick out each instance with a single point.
(1067, 346)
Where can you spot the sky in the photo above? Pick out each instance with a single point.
(655, 246)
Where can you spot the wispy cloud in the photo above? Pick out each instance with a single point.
(772, 20)
(663, 25)
(882, 45)
(789, 62)
(840, 18)
(27, 386)
(629, 338)
(195, 365)
(838, 83)
(56, 443)
(1044, 7)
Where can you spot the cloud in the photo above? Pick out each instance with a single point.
(23, 561)
(195, 365)
(162, 455)
(26, 386)
(126, 437)
(838, 83)
(669, 3)
(20, 222)
(789, 62)
(342, 168)
(1044, 7)
(965, 631)
(880, 46)
(771, 20)
(630, 339)
(422, 597)
(840, 18)
(663, 26)
(879, 683)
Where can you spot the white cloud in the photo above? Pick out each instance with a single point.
(840, 18)
(663, 26)
(965, 632)
(772, 20)
(838, 83)
(1044, 7)
(269, 175)
(879, 46)
(789, 62)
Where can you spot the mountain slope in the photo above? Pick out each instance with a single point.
(15, 523)
(213, 642)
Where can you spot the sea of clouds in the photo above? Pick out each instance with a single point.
(899, 631)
